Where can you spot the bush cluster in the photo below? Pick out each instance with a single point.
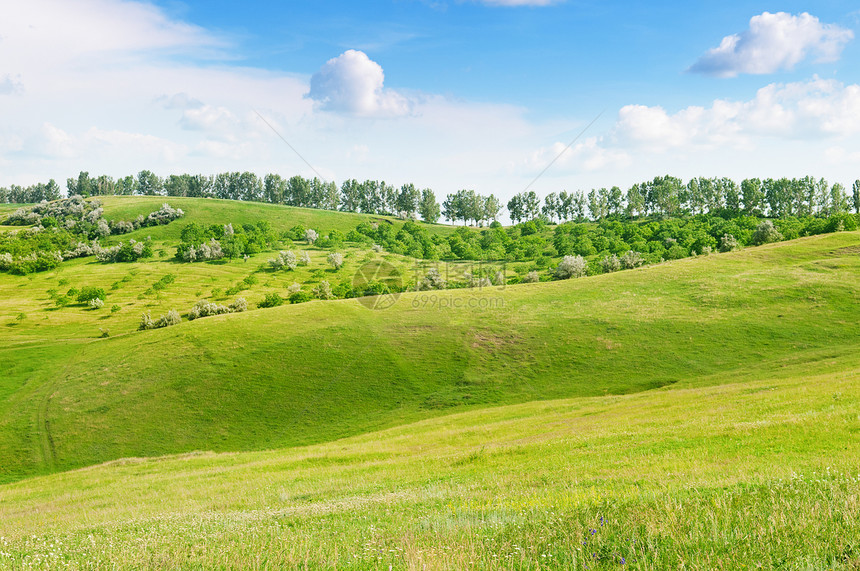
(125, 252)
(205, 308)
(232, 242)
(170, 318)
(70, 228)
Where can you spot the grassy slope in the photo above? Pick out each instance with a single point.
(319, 371)
(214, 211)
(44, 323)
(760, 474)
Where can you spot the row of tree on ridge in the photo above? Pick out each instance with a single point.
(664, 196)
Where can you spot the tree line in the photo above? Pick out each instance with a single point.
(664, 196)
(667, 197)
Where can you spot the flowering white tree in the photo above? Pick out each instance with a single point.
(336, 260)
(284, 260)
(571, 267)
(610, 264)
(728, 243)
(631, 260)
(432, 280)
(311, 235)
(531, 277)
(323, 290)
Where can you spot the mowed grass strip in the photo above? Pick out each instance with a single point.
(325, 370)
(759, 474)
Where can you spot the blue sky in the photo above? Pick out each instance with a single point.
(447, 94)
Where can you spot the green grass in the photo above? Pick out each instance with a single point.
(215, 211)
(758, 474)
(296, 375)
(697, 414)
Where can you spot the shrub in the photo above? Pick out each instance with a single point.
(271, 300)
(610, 264)
(766, 233)
(531, 277)
(114, 308)
(146, 322)
(631, 260)
(431, 280)
(89, 292)
(311, 235)
(294, 287)
(471, 280)
(323, 290)
(284, 260)
(130, 252)
(239, 305)
(206, 251)
(170, 318)
(728, 243)
(571, 267)
(205, 308)
(336, 260)
(164, 215)
(304, 259)
(377, 248)
(96, 303)
(122, 227)
(300, 297)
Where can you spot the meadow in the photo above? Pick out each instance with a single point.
(700, 413)
(752, 474)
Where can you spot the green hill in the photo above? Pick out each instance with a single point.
(324, 370)
(754, 474)
(701, 413)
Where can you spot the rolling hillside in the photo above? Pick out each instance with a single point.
(324, 370)
(754, 474)
(700, 414)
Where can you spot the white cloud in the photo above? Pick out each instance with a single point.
(127, 105)
(588, 155)
(209, 118)
(353, 83)
(816, 108)
(772, 43)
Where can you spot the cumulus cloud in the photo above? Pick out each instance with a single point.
(816, 108)
(353, 83)
(772, 43)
